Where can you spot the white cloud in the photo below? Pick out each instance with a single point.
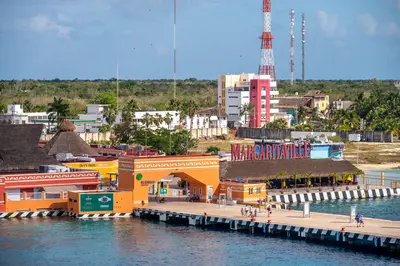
(368, 24)
(392, 29)
(329, 24)
(43, 23)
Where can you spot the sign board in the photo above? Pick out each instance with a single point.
(147, 182)
(306, 210)
(267, 151)
(353, 212)
(97, 202)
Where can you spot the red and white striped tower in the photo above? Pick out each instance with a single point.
(267, 64)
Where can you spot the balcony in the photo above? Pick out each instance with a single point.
(273, 93)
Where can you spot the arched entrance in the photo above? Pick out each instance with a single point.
(137, 174)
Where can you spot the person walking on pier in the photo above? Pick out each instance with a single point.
(242, 211)
(269, 210)
(358, 219)
(361, 220)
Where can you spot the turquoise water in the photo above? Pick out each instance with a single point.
(383, 208)
(134, 242)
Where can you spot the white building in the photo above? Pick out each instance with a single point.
(207, 118)
(15, 115)
(94, 112)
(234, 92)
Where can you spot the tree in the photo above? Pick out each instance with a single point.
(277, 124)
(110, 115)
(213, 149)
(190, 108)
(58, 110)
(280, 176)
(246, 110)
(301, 115)
(168, 120)
(158, 120)
(27, 106)
(128, 112)
(296, 177)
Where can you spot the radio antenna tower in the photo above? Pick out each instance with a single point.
(267, 64)
(303, 43)
(291, 47)
(174, 49)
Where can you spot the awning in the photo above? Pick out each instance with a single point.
(168, 178)
(58, 189)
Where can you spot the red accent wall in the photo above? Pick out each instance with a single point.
(255, 99)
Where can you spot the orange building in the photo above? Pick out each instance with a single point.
(42, 191)
(201, 172)
(243, 192)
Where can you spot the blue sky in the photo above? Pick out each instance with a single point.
(67, 39)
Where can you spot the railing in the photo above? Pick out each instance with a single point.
(36, 196)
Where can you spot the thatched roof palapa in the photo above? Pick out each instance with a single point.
(19, 151)
(259, 170)
(67, 141)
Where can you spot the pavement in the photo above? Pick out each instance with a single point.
(376, 227)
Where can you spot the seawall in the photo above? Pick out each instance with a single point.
(335, 195)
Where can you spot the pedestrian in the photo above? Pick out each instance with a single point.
(361, 220)
(242, 211)
(255, 212)
(269, 210)
(358, 219)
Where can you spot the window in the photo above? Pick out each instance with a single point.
(263, 106)
(250, 191)
(263, 88)
(254, 87)
(200, 191)
(263, 97)
(233, 105)
(245, 97)
(194, 190)
(258, 190)
(233, 97)
(254, 96)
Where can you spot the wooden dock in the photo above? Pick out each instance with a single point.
(377, 235)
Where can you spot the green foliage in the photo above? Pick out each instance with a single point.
(105, 98)
(58, 110)
(277, 124)
(335, 139)
(247, 110)
(213, 149)
(105, 128)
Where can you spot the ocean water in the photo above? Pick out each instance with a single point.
(64, 241)
(381, 208)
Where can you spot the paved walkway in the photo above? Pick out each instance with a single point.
(374, 227)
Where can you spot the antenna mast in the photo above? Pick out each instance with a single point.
(303, 41)
(117, 86)
(291, 50)
(174, 49)
(267, 63)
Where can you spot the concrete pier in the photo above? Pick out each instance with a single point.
(381, 236)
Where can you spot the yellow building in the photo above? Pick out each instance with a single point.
(226, 82)
(105, 168)
(319, 100)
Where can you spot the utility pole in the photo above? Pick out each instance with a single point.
(291, 50)
(303, 43)
(117, 86)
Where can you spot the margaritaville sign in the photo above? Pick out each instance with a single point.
(270, 151)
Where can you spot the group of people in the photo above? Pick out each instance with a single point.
(248, 211)
(359, 220)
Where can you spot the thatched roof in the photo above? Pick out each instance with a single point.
(258, 170)
(19, 149)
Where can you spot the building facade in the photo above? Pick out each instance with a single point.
(16, 115)
(235, 92)
(319, 100)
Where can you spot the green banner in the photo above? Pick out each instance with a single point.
(97, 202)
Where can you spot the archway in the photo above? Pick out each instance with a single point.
(137, 174)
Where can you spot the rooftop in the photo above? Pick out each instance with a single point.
(315, 93)
(19, 151)
(258, 170)
(292, 102)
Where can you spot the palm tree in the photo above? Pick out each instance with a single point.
(128, 112)
(295, 177)
(280, 175)
(190, 108)
(148, 120)
(277, 124)
(267, 182)
(110, 115)
(168, 120)
(308, 177)
(246, 110)
(58, 110)
(301, 114)
(158, 120)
